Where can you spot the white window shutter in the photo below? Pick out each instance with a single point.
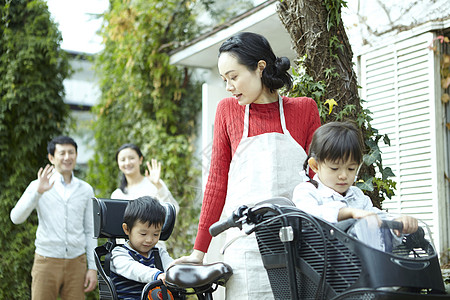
(397, 83)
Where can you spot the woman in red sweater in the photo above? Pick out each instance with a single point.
(259, 146)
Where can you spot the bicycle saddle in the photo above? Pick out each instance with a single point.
(194, 276)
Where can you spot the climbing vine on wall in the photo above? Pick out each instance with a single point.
(32, 111)
(441, 46)
(324, 71)
(149, 102)
(303, 84)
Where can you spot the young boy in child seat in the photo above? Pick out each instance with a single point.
(335, 154)
(133, 264)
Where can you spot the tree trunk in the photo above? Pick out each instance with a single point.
(306, 22)
(328, 58)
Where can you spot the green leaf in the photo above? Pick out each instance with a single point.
(372, 144)
(386, 173)
(366, 185)
(372, 157)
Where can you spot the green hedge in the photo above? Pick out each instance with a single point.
(32, 70)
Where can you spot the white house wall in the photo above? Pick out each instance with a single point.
(82, 87)
(211, 96)
(82, 92)
(398, 83)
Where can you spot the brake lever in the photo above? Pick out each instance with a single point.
(248, 228)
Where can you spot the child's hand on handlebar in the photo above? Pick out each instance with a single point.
(196, 257)
(410, 225)
(162, 277)
(355, 213)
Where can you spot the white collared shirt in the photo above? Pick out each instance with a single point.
(325, 203)
(64, 189)
(65, 228)
(147, 188)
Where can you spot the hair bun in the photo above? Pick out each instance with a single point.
(282, 64)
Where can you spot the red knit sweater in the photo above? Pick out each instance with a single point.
(302, 119)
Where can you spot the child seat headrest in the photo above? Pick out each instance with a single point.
(108, 218)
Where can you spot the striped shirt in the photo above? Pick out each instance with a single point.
(130, 271)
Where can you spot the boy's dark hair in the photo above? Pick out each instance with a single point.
(336, 141)
(249, 48)
(123, 179)
(144, 209)
(61, 140)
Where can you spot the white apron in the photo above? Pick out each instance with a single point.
(263, 167)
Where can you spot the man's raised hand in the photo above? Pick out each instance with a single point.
(44, 179)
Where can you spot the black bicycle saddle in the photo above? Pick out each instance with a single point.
(194, 276)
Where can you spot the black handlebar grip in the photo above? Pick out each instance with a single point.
(221, 226)
(392, 225)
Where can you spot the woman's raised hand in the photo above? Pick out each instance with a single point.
(153, 172)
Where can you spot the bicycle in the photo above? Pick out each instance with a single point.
(308, 258)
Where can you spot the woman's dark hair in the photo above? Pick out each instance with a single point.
(336, 141)
(61, 140)
(249, 48)
(123, 179)
(144, 209)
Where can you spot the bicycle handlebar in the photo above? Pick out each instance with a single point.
(232, 221)
(392, 225)
(242, 214)
(220, 226)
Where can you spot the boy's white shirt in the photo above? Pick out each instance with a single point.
(325, 203)
(122, 263)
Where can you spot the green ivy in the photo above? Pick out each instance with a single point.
(334, 12)
(304, 84)
(382, 187)
(32, 111)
